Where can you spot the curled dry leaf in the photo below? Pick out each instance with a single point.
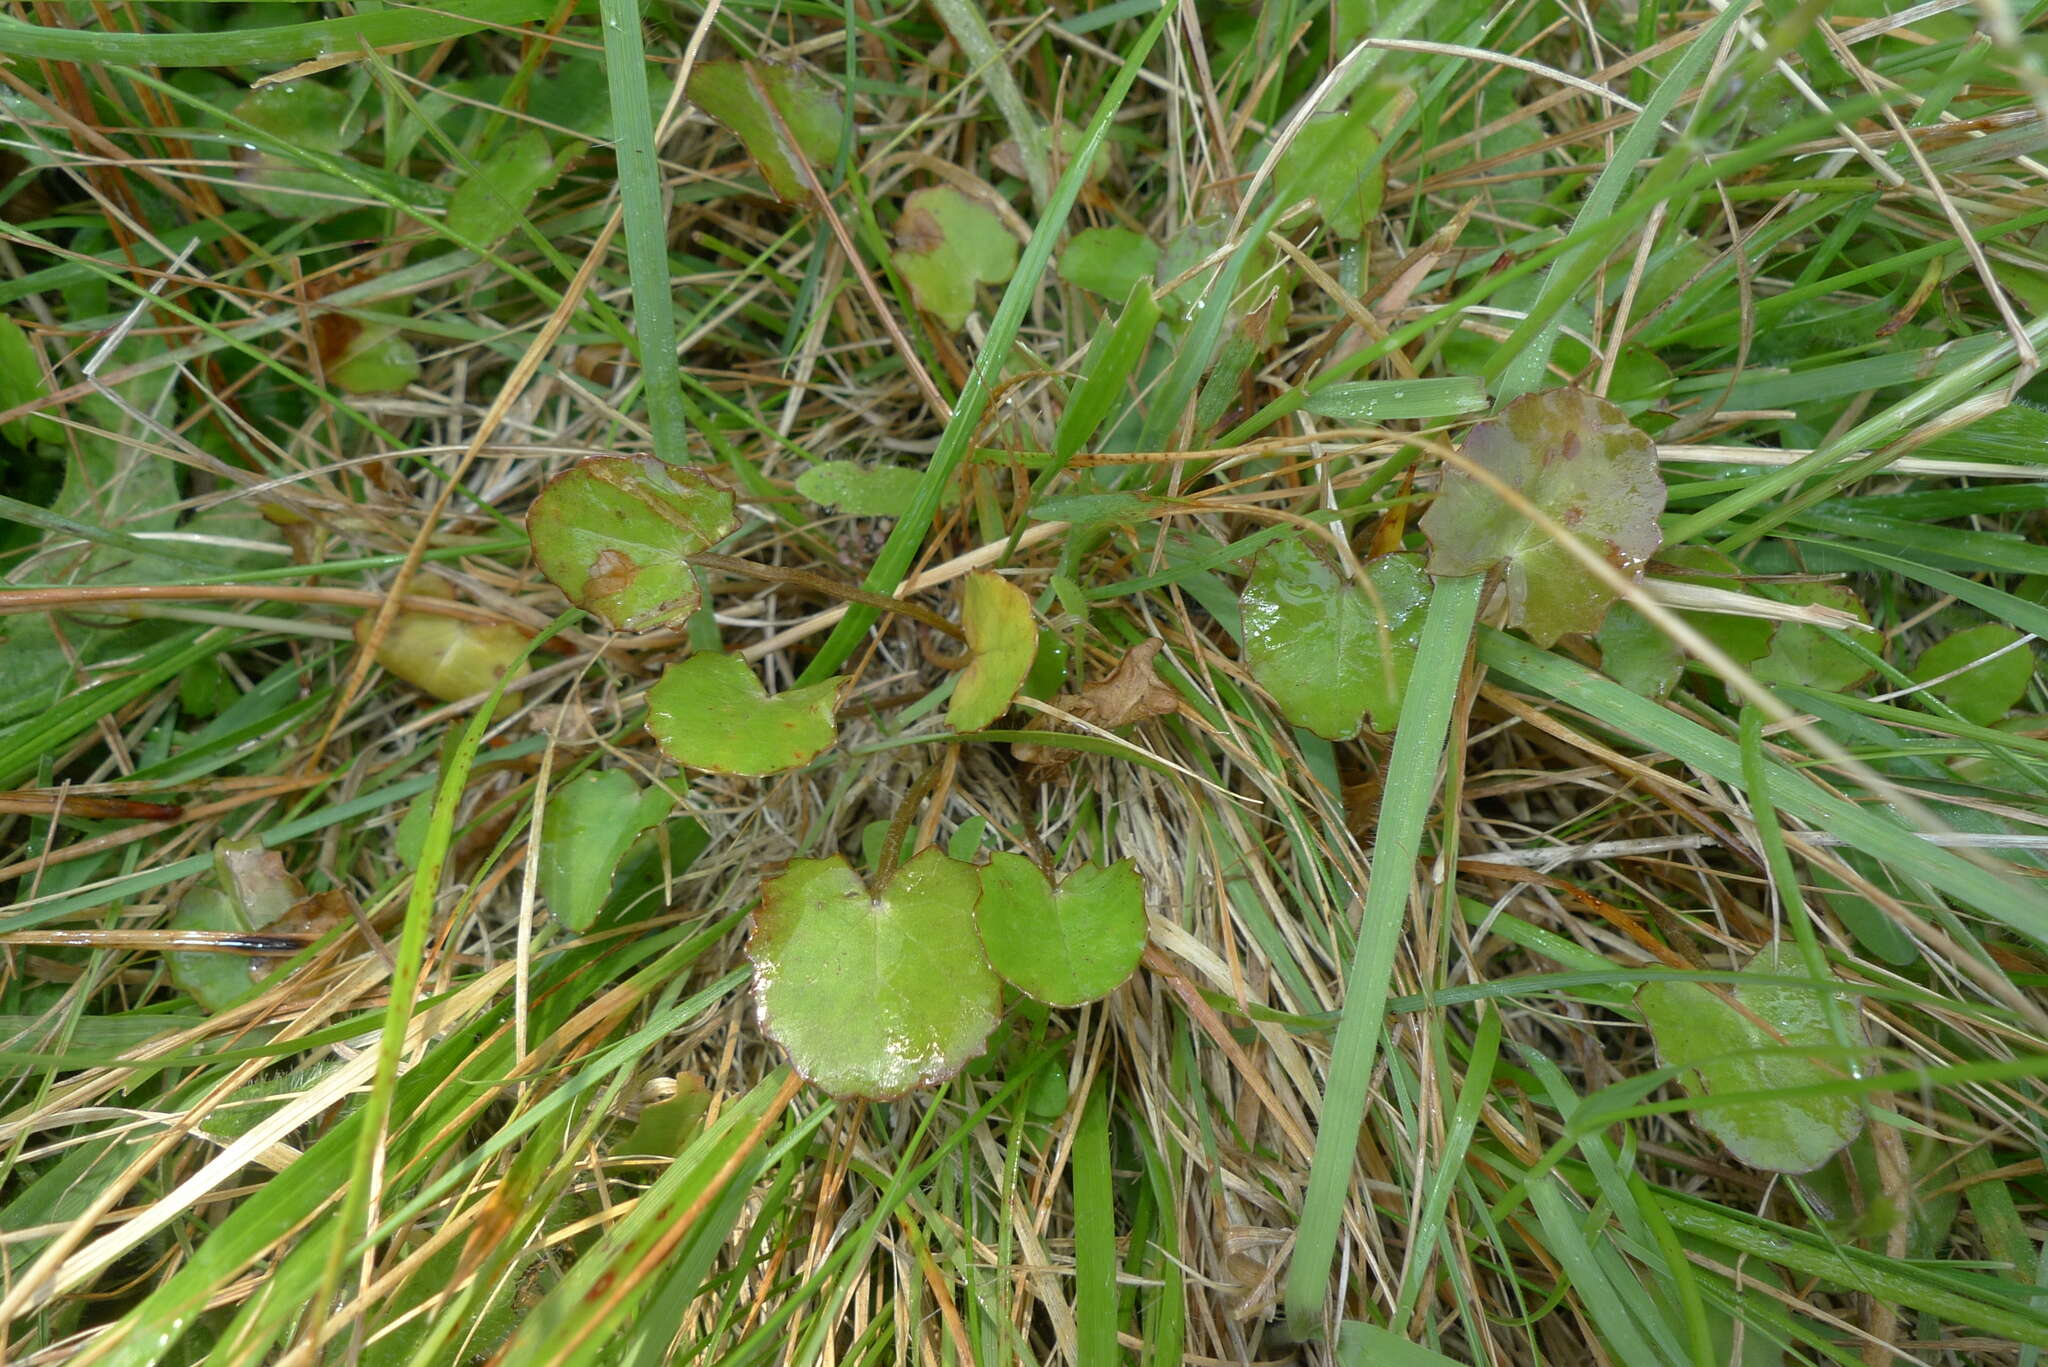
(1130, 693)
(447, 657)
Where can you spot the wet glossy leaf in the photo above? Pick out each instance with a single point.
(305, 115)
(1333, 161)
(493, 199)
(873, 992)
(782, 115)
(590, 823)
(1982, 693)
(1808, 655)
(1729, 1052)
(256, 880)
(1373, 401)
(710, 712)
(1332, 652)
(1066, 944)
(447, 657)
(947, 244)
(215, 980)
(860, 490)
(1577, 459)
(613, 533)
(1108, 261)
(1002, 642)
(1637, 655)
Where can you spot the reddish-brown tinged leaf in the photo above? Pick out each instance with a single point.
(1577, 459)
(614, 534)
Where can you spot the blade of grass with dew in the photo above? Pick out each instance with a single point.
(654, 300)
(1518, 365)
(1411, 782)
(897, 553)
(2006, 900)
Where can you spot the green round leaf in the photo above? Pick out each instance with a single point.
(215, 980)
(1576, 458)
(1637, 655)
(1328, 650)
(613, 533)
(1002, 642)
(493, 199)
(873, 992)
(1062, 945)
(783, 115)
(710, 712)
(1809, 655)
(378, 361)
(1728, 1051)
(947, 242)
(1108, 261)
(1334, 160)
(1982, 693)
(589, 824)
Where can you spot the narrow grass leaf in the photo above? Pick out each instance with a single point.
(1404, 808)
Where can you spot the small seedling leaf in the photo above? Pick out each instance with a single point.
(710, 712)
(947, 243)
(614, 533)
(1108, 261)
(1727, 1050)
(1577, 459)
(873, 991)
(589, 824)
(493, 200)
(1002, 642)
(1065, 944)
(1330, 651)
(748, 97)
(860, 490)
(1982, 693)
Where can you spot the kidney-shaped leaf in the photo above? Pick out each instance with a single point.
(1804, 654)
(1728, 1051)
(947, 242)
(873, 992)
(589, 824)
(1577, 459)
(1982, 693)
(1001, 644)
(1063, 945)
(613, 532)
(1330, 651)
(710, 712)
(783, 115)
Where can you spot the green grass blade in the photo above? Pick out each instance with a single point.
(1411, 783)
